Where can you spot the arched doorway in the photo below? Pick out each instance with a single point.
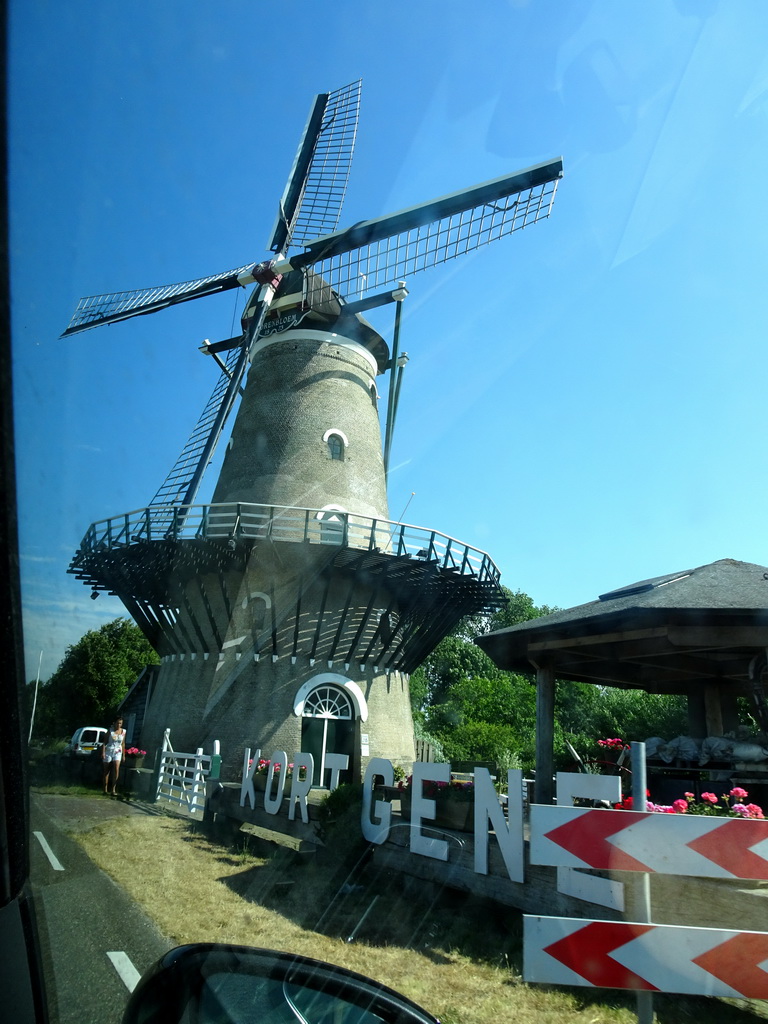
(333, 520)
(328, 726)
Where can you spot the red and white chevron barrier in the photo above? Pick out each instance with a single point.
(670, 844)
(660, 958)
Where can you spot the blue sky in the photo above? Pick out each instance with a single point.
(584, 400)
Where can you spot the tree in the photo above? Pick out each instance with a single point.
(461, 699)
(457, 658)
(474, 709)
(452, 661)
(519, 607)
(490, 718)
(93, 678)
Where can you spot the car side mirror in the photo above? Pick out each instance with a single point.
(211, 983)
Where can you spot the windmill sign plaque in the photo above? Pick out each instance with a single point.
(282, 323)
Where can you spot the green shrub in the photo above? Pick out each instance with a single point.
(338, 803)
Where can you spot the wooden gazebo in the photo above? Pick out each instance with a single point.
(700, 632)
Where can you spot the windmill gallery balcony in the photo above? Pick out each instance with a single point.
(425, 579)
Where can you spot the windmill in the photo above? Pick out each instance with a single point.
(290, 610)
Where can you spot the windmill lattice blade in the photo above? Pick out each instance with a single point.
(94, 310)
(174, 490)
(379, 252)
(317, 184)
(326, 182)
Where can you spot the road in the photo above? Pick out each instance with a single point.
(95, 942)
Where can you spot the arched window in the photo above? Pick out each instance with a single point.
(328, 702)
(336, 448)
(332, 680)
(337, 443)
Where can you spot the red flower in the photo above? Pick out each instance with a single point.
(613, 744)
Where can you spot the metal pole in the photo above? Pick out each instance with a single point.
(400, 518)
(643, 912)
(390, 425)
(34, 701)
(402, 361)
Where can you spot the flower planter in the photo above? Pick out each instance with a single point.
(261, 776)
(451, 813)
(260, 783)
(458, 815)
(134, 761)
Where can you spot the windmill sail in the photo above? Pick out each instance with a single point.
(311, 205)
(180, 486)
(95, 310)
(313, 196)
(378, 252)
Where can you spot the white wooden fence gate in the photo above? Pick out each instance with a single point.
(181, 778)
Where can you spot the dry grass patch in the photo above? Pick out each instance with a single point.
(463, 968)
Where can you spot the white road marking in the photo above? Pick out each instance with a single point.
(128, 973)
(55, 862)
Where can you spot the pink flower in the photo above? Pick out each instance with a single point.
(688, 796)
(740, 810)
(754, 811)
(614, 743)
(680, 806)
(739, 793)
(710, 798)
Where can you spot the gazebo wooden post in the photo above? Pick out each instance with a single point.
(713, 709)
(697, 716)
(730, 709)
(545, 734)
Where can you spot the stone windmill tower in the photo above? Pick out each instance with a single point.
(289, 612)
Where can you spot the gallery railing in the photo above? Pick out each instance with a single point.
(234, 521)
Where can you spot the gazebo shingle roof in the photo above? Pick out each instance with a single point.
(663, 635)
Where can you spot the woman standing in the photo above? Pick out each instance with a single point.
(112, 753)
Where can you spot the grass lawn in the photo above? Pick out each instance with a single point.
(458, 956)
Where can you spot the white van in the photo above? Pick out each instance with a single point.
(85, 741)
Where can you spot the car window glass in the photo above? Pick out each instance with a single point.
(562, 411)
